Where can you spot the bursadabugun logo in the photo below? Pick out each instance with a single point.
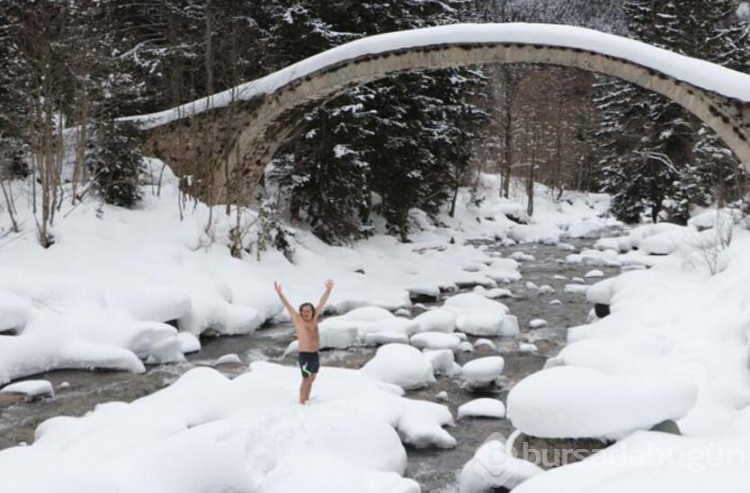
(495, 461)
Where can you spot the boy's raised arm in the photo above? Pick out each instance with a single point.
(292, 312)
(324, 298)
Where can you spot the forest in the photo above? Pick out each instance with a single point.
(408, 141)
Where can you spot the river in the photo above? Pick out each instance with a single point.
(435, 470)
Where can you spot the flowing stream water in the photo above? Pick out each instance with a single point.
(77, 392)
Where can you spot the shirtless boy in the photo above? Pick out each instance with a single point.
(306, 325)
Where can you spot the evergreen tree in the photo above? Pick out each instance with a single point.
(116, 163)
(407, 139)
(654, 150)
(12, 164)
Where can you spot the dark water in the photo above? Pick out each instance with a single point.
(435, 470)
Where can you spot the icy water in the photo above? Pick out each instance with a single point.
(436, 470)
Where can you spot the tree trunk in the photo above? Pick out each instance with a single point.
(209, 59)
(507, 132)
(530, 175)
(452, 211)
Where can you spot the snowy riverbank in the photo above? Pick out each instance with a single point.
(124, 289)
(675, 347)
(117, 285)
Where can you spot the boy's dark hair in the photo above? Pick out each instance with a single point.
(307, 304)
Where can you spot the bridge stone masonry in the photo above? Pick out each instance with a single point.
(223, 143)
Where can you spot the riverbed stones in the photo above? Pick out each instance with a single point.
(537, 323)
(581, 402)
(228, 359)
(465, 347)
(442, 361)
(479, 316)
(434, 340)
(484, 407)
(546, 289)
(485, 344)
(576, 289)
(401, 365)
(437, 320)
(380, 338)
(601, 310)
(482, 372)
(667, 426)
(526, 347)
(30, 389)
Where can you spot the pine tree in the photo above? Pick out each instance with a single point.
(655, 152)
(12, 114)
(406, 139)
(116, 163)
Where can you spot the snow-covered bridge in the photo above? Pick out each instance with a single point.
(224, 141)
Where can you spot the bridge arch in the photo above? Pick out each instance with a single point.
(272, 107)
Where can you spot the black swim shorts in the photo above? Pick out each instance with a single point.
(309, 363)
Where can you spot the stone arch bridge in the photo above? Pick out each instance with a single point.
(220, 145)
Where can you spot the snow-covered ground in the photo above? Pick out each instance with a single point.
(127, 288)
(123, 288)
(675, 346)
(209, 433)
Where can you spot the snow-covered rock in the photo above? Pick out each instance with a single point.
(535, 233)
(477, 315)
(146, 335)
(546, 289)
(494, 293)
(526, 347)
(484, 407)
(434, 340)
(438, 320)
(482, 371)
(510, 326)
(522, 257)
(400, 365)
(380, 338)
(493, 467)
(485, 343)
(573, 402)
(206, 432)
(167, 350)
(465, 347)
(537, 323)
(606, 258)
(340, 333)
(576, 288)
(228, 359)
(189, 343)
(30, 388)
(442, 361)
(594, 273)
